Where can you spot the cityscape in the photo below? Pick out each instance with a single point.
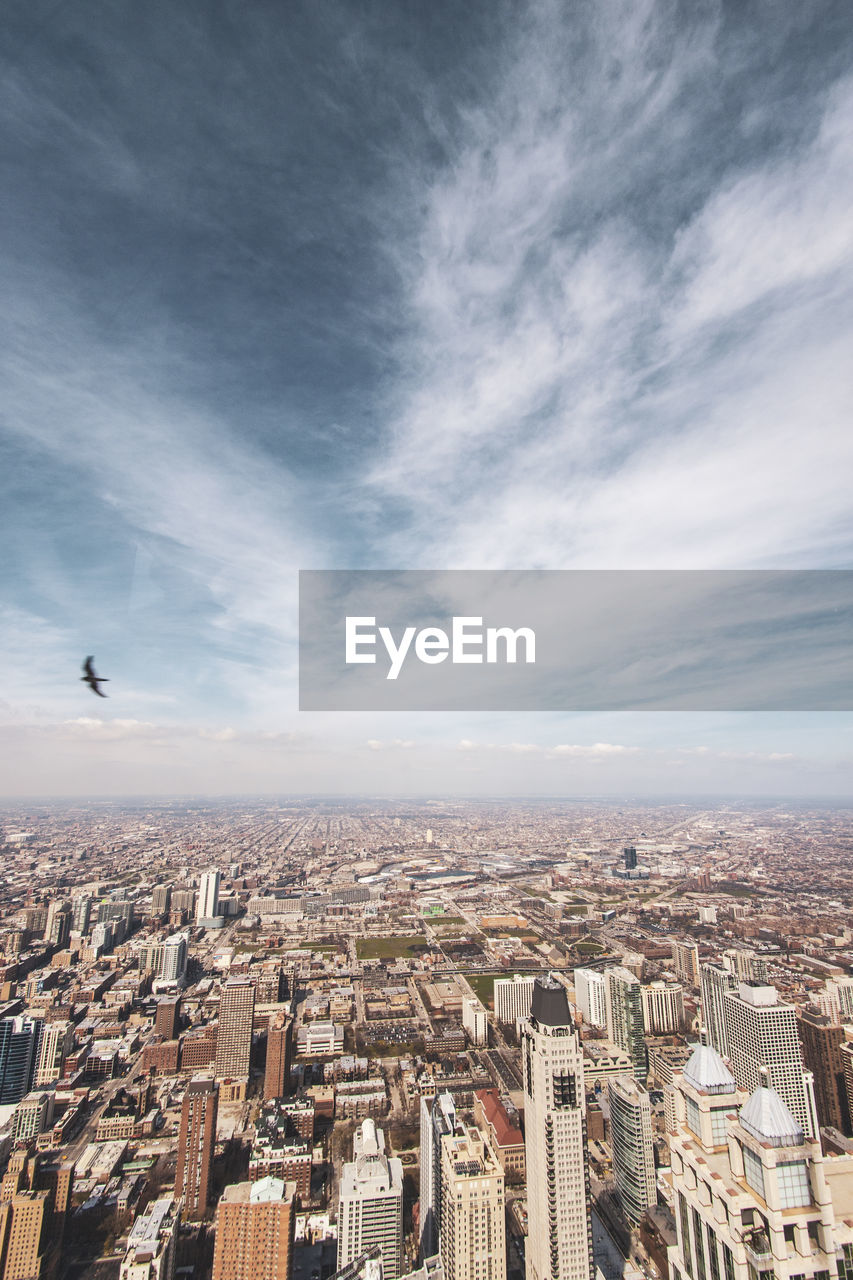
(307, 1038)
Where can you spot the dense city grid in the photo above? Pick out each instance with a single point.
(305, 1037)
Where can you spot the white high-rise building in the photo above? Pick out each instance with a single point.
(663, 1008)
(370, 1212)
(764, 1049)
(633, 1147)
(207, 907)
(475, 1021)
(590, 996)
(512, 998)
(559, 1242)
(753, 1194)
(173, 963)
(473, 1230)
(438, 1118)
(716, 982)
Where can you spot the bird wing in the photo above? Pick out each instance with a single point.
(88, 668)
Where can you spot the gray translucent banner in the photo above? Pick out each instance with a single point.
(581, 640)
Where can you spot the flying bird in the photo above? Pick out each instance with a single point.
(93, 681)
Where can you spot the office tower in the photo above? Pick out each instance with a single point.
(33, 1115)
(184, 900)
(633, 1148)
(630, 855)
(196, 1144)
(475, 1021)
(559, 1242)
(747, 965)
(115, 909)
(254, 1231)
(821, 1040)
(512, 998)
(764, 1049)
(624, 1008)
(152, 1244)
(663, 1008)
(19, 1042)
(234, 1037)
(33, 1208)
(57, 905)
(173, 964)
(827, 1002)
(590, 996)
(208, 897)
(55, 1043)
(753, 1195)
(81, 912)
(473, 1231)
(716, 982)
(685, 959)
(59, 927)
(844, 991)
(370, 1212)
(279, 1048)
(167, 1019)
(161, 899)
(438, 1118)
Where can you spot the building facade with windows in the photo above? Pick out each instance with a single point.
(754, 1197)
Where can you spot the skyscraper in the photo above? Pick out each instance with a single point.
(196, 1145)
(207, 908)
(629, 853)
(624, 1006)
(173, 964)
(590, 996)
(167, 1017)
(234, 1038)
(254, 1231)
(633, 1148)
(512, 998)
(54, 1046)
(559, 1242)
(822, 1040)
(473, 1232)
(19, 1043)
(685, 959)
(279, 1044)
(81, 911)
(752, 1193)
(370, 1212)
(716, 981)
(663, 1008)
(764, 1049)
(438, 1118)
(36, 1196)
(161, 899)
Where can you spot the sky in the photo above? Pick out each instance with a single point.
(399, 285)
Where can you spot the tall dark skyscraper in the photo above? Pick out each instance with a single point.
(19, 1044)
(630, 855)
